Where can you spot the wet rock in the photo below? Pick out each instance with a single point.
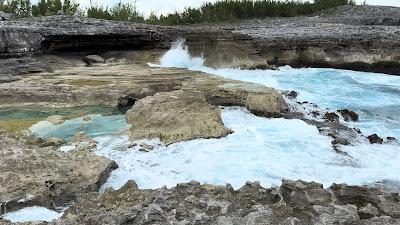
(144, 150)
(316, 113)
(349, 115)
(375, 139)
(331, 117)
(292, 94)
(148, 147)
(93, 59)
(392, 140)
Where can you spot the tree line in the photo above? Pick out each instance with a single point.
(223, 10)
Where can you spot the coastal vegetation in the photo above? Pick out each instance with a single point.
(223, 10)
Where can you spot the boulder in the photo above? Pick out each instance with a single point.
(93, 59)
(175, 116)
(331, 117)
(349, 115)
(375, 139)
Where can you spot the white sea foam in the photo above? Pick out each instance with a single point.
(376, 97)
(266, 150)
(32, 214)
(179, 57)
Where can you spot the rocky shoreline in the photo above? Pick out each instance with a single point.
(51, 62)
(295, 202)
(362, 38)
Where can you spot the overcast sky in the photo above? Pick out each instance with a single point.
(165, 6)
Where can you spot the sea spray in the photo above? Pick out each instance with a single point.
(376, 97)
(179, 57)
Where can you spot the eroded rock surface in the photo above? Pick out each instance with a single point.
(295, 202)
(171, 104)
(362, 38)
(176, 116)
(191, 112)
(36, 173)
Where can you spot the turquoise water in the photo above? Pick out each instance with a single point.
(9, 113)
(98, 125)
(260, 149)
(104, 120)
(376, 97)
(269, 150)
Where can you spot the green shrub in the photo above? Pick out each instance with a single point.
(19, 8)
(51, 7)
(119, 12)
(231, 10)
(222, 10)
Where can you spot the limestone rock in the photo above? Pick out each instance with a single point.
(337, 39)
(193, 203)
(368, 212)
(10, 68)
(49, 177)
(175, 116)
(93, 59)
(56, 119)
(258, 99)
(111, 60)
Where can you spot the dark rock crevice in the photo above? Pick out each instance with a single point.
(98, 43)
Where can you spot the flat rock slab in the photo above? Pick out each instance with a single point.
(170, 104)
(44, 176)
